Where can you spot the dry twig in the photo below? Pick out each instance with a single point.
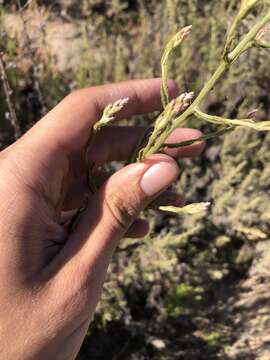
(11, 114)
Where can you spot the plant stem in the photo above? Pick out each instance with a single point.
(89, 166)
(259, 126)
(190, 111)
(8, 93)
(139, 145)
(222, 68)
(249, 37)
(198, 140)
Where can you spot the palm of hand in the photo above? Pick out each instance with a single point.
(49, 276)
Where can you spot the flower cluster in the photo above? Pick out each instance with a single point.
(109, 113)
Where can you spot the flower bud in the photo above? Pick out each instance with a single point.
(109, 113)
(181, 35)
(183, 101)
(261, 34)
(252, 114)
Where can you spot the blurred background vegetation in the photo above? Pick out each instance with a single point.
(196, 287)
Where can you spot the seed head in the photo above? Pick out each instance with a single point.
(171, 105)
(183, 101)
(190, 209)
(186, 31)
(114, 108)
(109, 113)
(181, 35)
(197, 208)
(252, 114)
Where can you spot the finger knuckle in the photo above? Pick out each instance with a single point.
(74, 95)
(122, 207)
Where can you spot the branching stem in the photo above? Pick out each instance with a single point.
(258, 126)
(223, 67)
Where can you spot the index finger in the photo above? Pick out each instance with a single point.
(69, 123)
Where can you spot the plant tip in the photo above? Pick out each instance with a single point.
(180, 36)
(190, 95)
(252, 114)
(182, 102)
(207, 204)
(187, 28)
(261, 34)
(121, 103)
(186, 31)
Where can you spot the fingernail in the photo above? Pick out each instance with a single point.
(158, 177)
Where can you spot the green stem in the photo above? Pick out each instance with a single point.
(198, 140)
(249, 37)
(89, 166)
(165, 76)
(222, 68)
(143, 139)
(231, 35)
(89, 178)
(249, 123)
(190, 111)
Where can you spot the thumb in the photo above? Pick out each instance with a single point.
(109, 215)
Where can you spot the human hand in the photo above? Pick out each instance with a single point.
(51, 280)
